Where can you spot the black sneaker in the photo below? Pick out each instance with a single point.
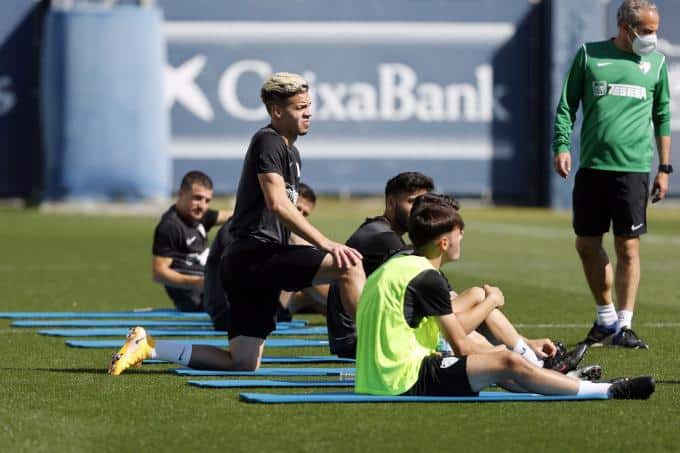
(626, 338)
(564, 362)
(638, 388)
(598, 334)
(587, 373)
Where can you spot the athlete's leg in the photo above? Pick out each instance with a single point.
(512, 372)
(596, 267)
(350, 281)
(244, 353)
(627, 278)
(472, 308)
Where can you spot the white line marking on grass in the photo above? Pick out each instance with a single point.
(510, 229)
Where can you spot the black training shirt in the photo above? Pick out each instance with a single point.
(252, 221)
(183, 241)
(427, 294)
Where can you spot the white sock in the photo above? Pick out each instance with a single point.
(172, 352)
(593, 388)
(625, 319)
(525, 351)
(606, 315)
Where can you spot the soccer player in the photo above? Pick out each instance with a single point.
(379, 238)
(406, 303)
(215, 300)
(180, 242)
(260, 262)
(622, 84)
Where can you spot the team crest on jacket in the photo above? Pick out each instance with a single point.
(645, 66)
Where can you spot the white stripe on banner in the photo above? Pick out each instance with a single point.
(291, 32)
(348, 149)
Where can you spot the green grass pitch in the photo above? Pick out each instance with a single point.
(53, 398)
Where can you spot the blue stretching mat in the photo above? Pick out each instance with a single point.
(110, 323)
(348, 372)
(284, 359)
(99, 323)
(170, 332)
(220, 343)
(245, 383)
(142, 313)
(348, 397)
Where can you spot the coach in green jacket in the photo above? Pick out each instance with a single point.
(622, 84)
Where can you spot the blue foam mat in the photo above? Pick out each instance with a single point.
(132, 322)
(112, 332)
(338, 371)
(142, 313)
(283, 359)
(349, 397)
(220, 343)
(246, 383)
(106, 323)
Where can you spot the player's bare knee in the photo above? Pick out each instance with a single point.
(353, 273)
(246, 364)
(626, 249)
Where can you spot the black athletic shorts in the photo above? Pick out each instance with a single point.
(185, 299)
(254, 278)
(442, 376)
(603, 197)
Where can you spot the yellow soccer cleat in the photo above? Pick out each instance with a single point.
(137, 348)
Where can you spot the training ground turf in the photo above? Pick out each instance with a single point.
(54, 398)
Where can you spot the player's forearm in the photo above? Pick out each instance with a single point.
(663, 146)
(296, 222)
(472, 318)
(170, 277)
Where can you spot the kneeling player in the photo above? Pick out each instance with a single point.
(406, 303)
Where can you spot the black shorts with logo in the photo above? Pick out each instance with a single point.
(442, 376)
(254, 277)
(602, 197)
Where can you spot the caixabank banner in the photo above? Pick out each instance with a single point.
(451, 89)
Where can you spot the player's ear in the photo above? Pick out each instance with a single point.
(276, 111)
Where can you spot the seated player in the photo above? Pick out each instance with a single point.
(406, 304)
(180, 243)
(216, 301)
(380, 237)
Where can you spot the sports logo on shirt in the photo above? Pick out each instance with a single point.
(602, 88)
(599, 87)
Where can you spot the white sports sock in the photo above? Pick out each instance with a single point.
(529, 355)
(590, 388)
(172, 352)
(625, 319)
(606, 315)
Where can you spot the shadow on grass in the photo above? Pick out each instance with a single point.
(96, 371)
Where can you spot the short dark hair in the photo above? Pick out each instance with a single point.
(408, 182)
(195, 177)
(431, 216)
(306, 192)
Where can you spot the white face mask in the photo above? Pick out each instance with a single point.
(644, 45)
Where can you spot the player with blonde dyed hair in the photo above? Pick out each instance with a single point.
(260, 262)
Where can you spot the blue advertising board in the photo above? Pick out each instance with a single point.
(20, 150)
(421, 86)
